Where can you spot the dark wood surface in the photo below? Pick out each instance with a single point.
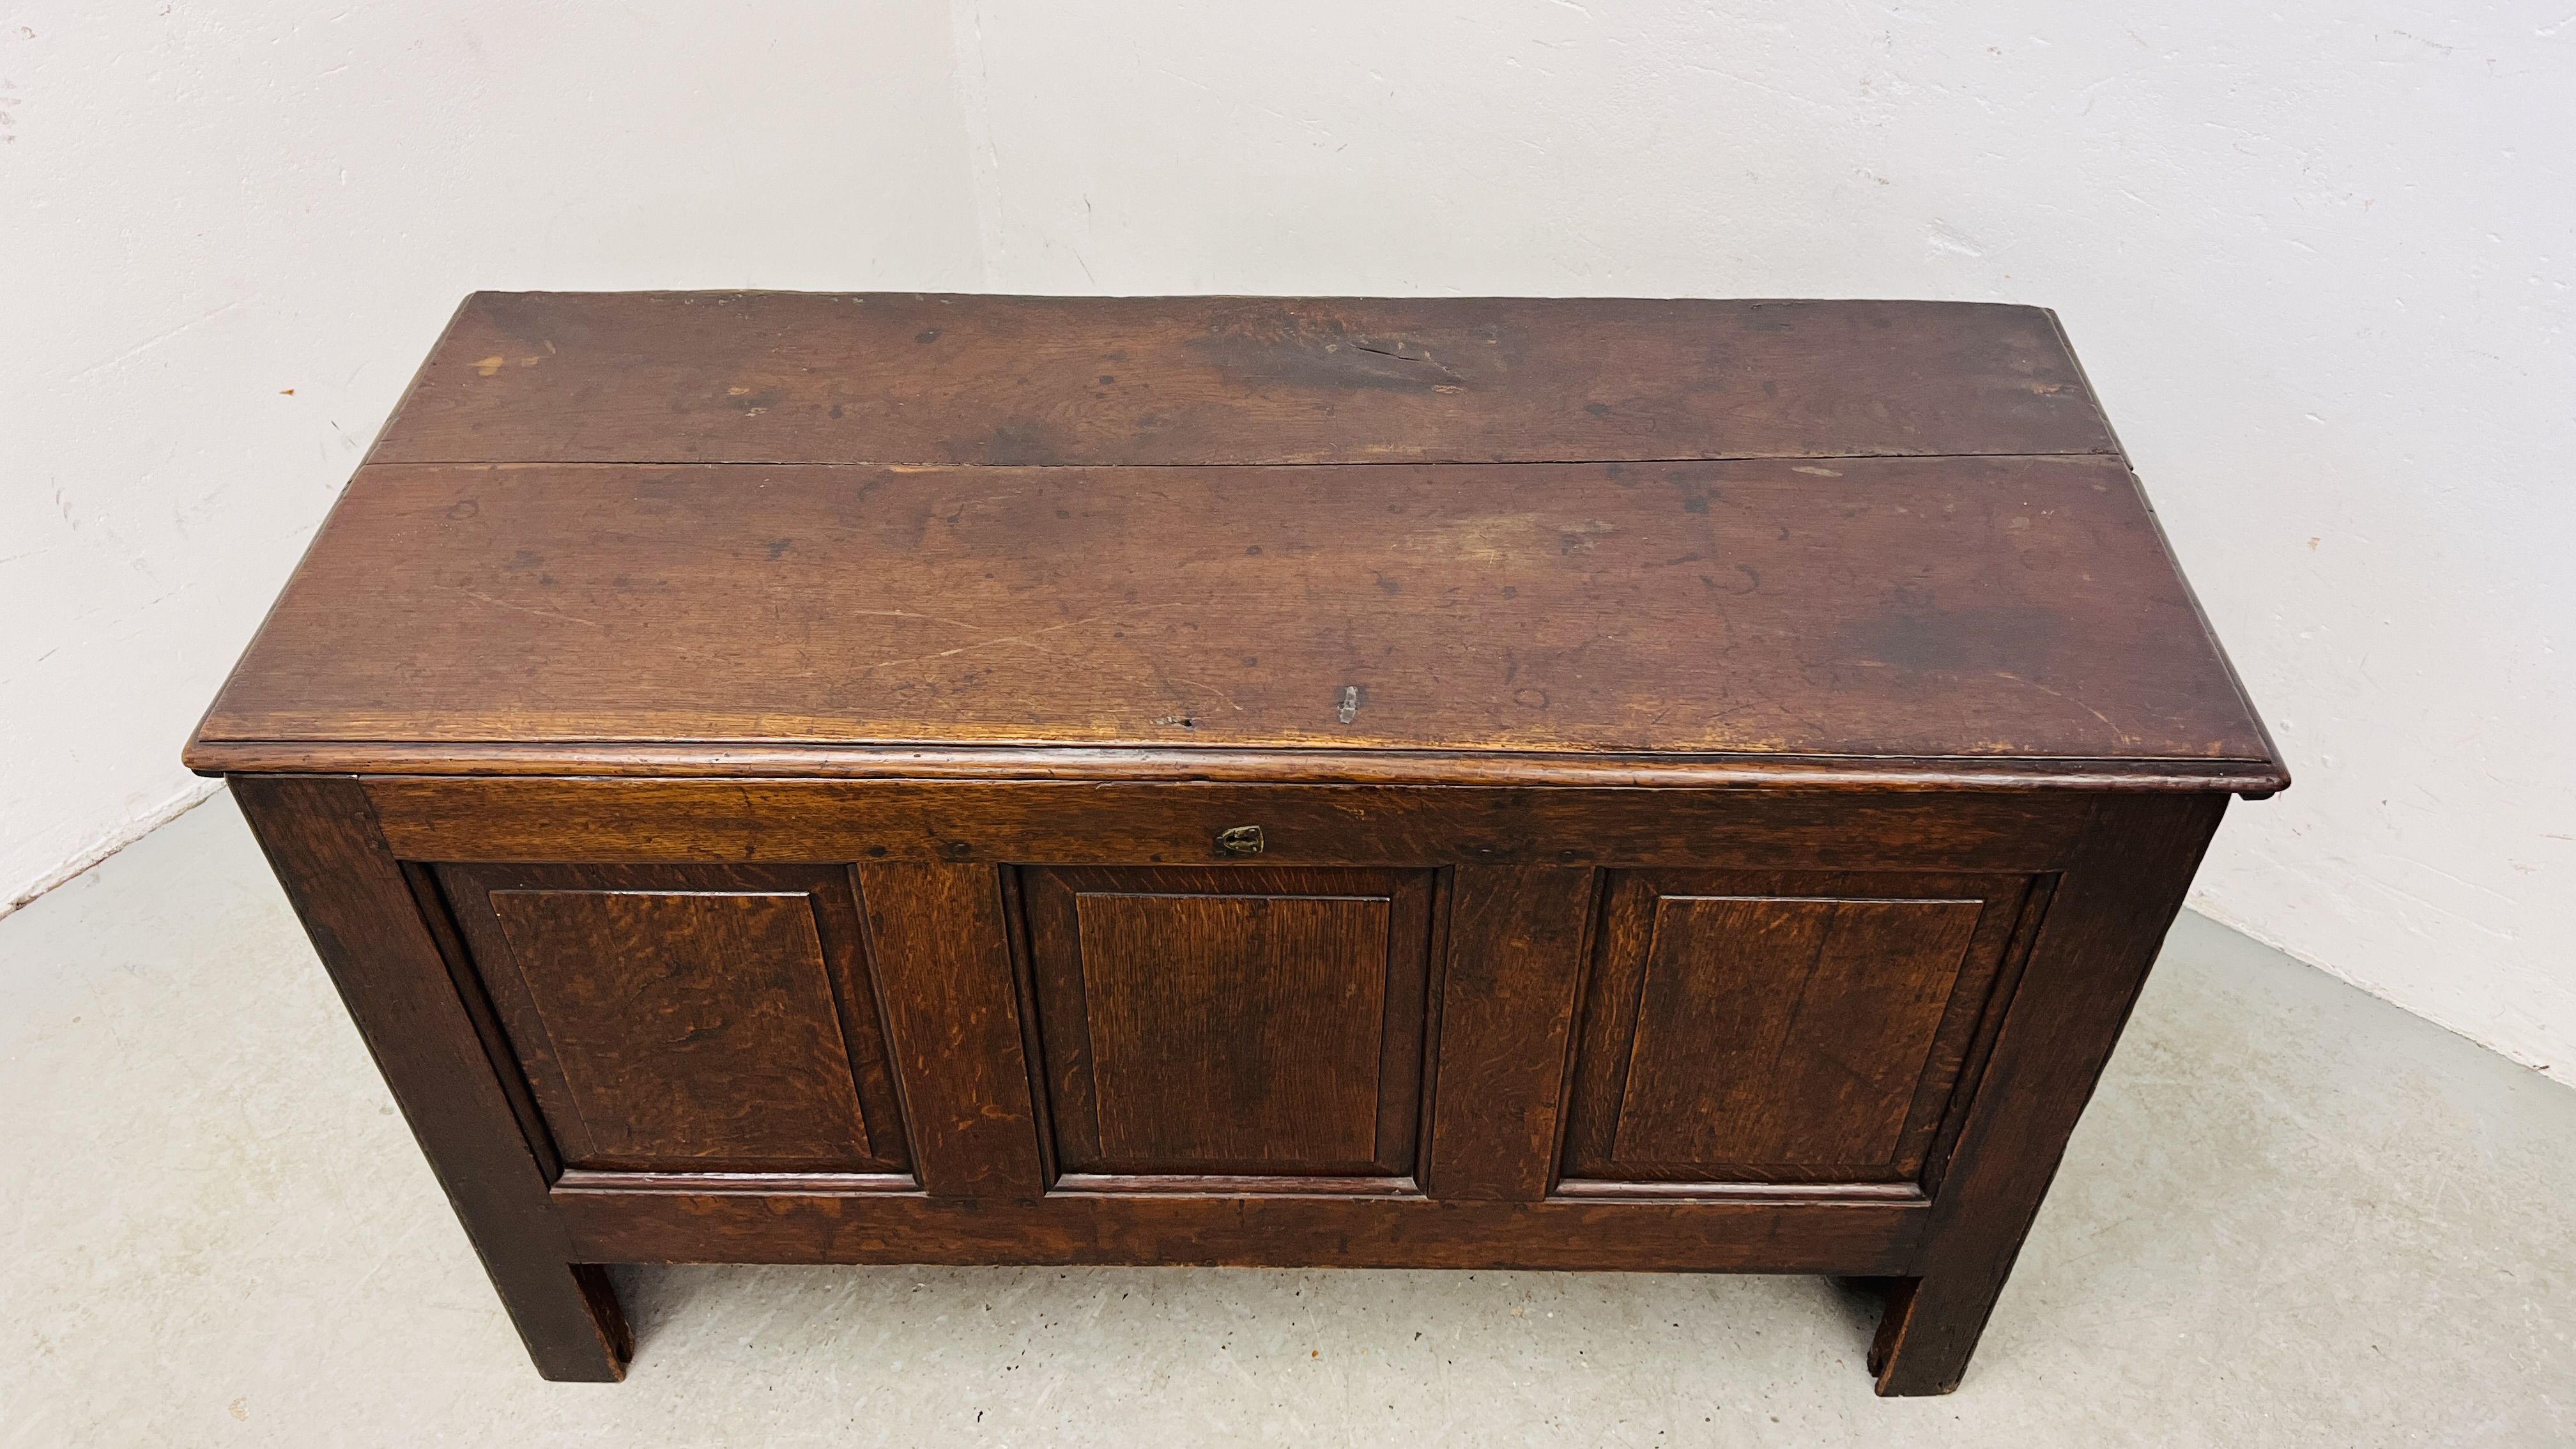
(1819, 1075)
(486, 759)
(1304, 1230)
(702, 1017)
(1045, 822)
(1245, 1020)
(942, 948)
(801, 378)
(1510, 989)
(1781, 1026)
(1668, 786)
(1900, 609)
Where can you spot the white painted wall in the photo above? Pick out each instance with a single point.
(2318, 263)
(228, 232)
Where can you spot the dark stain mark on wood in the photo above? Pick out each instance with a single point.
(1921, 637)
(1325, 358)
(1020, 441)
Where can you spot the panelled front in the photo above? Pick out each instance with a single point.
(1245, 1028)
(1231, 1020)
(686, 1018)
(1781, 1026)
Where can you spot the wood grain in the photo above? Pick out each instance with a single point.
(1782, 1026)
(1786, 1032)
(1508, 999)
(1899, 608)
(942, 954)
(1049, 823)
(1324, 1231)
(1235, 1029)
(1882, 775)
(1232, 1020)
(886, 378)
(686, 1018)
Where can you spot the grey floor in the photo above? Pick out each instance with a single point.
(2295, 1215)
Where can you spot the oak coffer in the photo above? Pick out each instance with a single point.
(1671, 785)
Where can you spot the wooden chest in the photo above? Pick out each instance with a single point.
(1660, 785)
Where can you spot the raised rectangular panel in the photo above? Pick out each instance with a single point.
(1786, 1031)
(686, 1018)
(1231, 1021)
(1781, 1027)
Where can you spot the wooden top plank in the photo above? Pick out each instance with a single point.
(1889, 608)
(782, 377)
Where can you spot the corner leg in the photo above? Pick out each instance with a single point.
(566, 1313)
(320, 836)
(2102, 925)
(568, 1316)
(1902, 1351)
(1926, 1335)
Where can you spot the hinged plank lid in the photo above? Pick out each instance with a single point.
(1929, 565)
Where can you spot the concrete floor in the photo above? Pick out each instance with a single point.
(2295, 1215)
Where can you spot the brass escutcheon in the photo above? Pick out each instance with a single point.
(1241, 840)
